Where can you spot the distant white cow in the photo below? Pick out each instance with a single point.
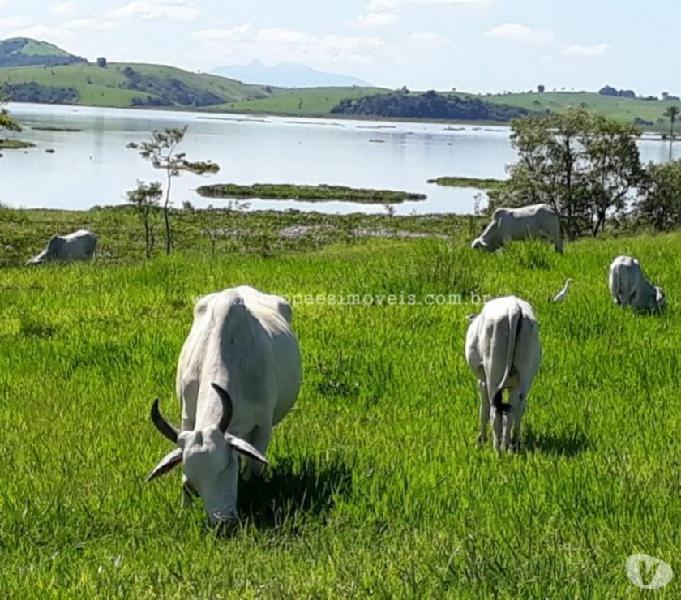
(80, 245)
(508, 224)
(504, 352)
(630, 287)
(238, 375)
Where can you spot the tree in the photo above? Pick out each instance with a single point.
(6, 121)
(145, 198)
(659, 202)
(581, 165)
(614, 167)
(671, 113)
(608, 91)
(161, 152)
(541, 88)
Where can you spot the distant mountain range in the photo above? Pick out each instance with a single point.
(287, 75)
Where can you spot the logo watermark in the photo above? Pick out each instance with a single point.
(647, 572)
(398, 299)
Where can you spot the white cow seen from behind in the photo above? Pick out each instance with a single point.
(630, 287)
(504, 352)
(238, 375)
(509, 224)
(80, 245)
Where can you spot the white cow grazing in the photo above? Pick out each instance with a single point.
(504, 352)
(238, 375)
(80, 245)
(630, 287)
(508, 224)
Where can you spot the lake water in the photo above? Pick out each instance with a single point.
(93, 166)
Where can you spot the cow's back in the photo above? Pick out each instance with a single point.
(242, 340)
(625, 279)
(536, 219)
(78, 245)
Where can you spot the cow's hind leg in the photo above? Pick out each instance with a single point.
(498, 420)
(484, 413)
(259, 438)
(518, 400)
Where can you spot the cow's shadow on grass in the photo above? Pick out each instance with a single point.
(294, 489)
(562, 443)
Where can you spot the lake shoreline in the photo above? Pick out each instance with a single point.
(646, 134)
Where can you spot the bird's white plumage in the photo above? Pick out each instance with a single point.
(560, 296)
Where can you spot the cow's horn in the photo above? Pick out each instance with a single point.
(227, 407)
(166, 429)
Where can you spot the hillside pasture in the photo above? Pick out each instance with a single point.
(376, 486)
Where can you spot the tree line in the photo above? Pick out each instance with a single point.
(589, 169)
(429, 105)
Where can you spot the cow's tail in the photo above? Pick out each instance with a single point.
(514, 320)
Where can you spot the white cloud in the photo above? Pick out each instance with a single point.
(377, 19)
(450, 2)
(428, 39)
(44, 33)
(381, 5)
(588, 50)
(92, 24)
(183, 10)
(14, 22)
(276, 44)
(64, 9)
(520, 33)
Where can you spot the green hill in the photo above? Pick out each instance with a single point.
(316, 102)
(122, 85)
(35, 71)
(23, 52)
(649, 114)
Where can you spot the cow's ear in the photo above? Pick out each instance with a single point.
(243, 447)
(167, 464)
(470, 318)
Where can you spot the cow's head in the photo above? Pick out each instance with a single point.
(660, 299)
(490, 239)
(50, 253)
(209, 457)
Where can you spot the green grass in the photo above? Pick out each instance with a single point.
(307, 193)
(621, 109)
(474, 182)
(37, 48)
(376, 485)
(316, 102)
(13, 144)
(109, 87)
(264, 232)
(53, 128)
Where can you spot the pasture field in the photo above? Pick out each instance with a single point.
(625, 110)
(376, 485)
(303, 102)
(110, 87)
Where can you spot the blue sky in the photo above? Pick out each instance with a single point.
(476, 45)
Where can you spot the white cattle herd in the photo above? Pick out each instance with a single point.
(239, 371)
